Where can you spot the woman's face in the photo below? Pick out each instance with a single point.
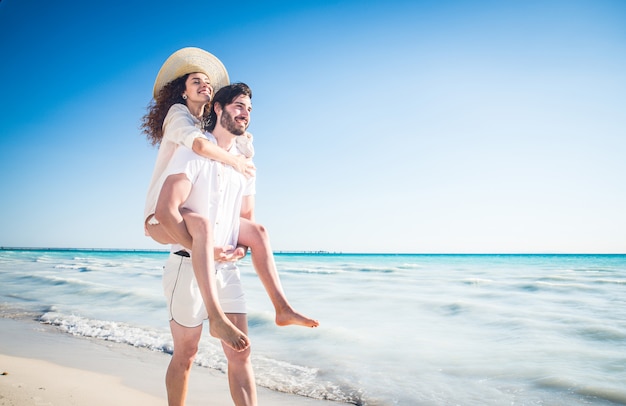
(198, 88)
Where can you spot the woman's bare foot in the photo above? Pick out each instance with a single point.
(288, 316)
(229, 334)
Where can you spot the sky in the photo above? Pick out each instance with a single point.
(380, 126)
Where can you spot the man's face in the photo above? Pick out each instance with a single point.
(236, 115)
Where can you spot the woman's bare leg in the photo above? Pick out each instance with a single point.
(255, 236)
(203, 263)
(159, 233)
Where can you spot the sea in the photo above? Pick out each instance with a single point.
(395, 329)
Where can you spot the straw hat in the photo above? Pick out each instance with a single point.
(190, 60)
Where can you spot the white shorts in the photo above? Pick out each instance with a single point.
(184, 301)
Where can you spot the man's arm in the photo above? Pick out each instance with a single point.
(247, 212)
(173, 194)
(247, 207)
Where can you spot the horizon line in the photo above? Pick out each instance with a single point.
(321, 252)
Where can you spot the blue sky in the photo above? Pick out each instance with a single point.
(380, 126)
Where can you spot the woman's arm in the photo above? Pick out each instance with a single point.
(180, 128)
(203, 147)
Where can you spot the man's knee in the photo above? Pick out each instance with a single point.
(185, 354)
(186, 341)
(235, 357)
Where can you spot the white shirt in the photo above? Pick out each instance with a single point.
(180, 127)
(217, 192)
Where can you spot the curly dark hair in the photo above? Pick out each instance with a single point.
(224, 96)
(172, 93)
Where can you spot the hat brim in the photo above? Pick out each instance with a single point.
(191, 60)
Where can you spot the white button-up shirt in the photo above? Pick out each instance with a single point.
(217, 192)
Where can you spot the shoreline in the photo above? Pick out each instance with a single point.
(42, 366)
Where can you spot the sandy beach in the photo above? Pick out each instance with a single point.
(43, 367)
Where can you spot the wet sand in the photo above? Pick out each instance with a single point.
(43, 367)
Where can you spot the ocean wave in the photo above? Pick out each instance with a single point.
(410, 266)
(318, 271)
(44, 259)
(79, 268)
(614, 395)
(610, 281)
(303, 381)
(273, 374)
(603, 334)
(559, 278)
(566, 287)
(109, 331)
(365, 269)
(51, 280)
(287, 269)
(476, 281)
(574, 286)
(375, 270)
(589, 393)
(126, 268)
(92, 291)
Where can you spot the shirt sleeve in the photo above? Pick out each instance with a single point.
(250, 187)
(185, 161)
(180, 127)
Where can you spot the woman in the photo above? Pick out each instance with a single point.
(178, 116)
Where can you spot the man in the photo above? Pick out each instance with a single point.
(217, 192)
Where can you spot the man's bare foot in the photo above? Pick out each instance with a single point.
(229, 334)
(288, 316)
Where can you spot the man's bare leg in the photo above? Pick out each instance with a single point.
(240, 373)
(185, 348)
(255, 236)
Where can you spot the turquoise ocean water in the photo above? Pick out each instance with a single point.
(395, 329)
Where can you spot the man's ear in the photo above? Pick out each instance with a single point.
(218, 108)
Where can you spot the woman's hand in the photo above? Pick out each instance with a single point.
(228, 253)
(245, 166)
